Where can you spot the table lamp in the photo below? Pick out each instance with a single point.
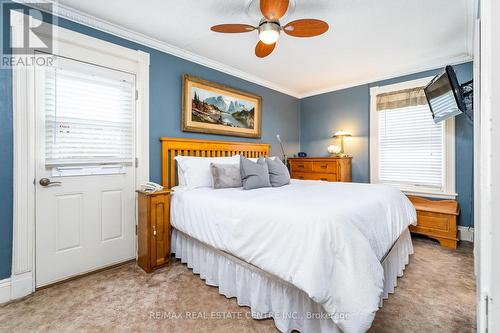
(341, 134)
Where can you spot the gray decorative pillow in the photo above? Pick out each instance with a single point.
(278, 172)
(254, 174)
(225, 175)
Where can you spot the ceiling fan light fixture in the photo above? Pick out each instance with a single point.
(270, 27)
(269, 32)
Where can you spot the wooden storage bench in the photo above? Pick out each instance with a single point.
(437, 219)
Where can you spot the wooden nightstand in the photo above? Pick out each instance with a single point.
(153, 232)
(437, 219)
(331, 169)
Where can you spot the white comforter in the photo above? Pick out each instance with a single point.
(327, 239)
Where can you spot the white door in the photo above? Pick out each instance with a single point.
(85, 174)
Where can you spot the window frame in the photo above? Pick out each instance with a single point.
(448, 190)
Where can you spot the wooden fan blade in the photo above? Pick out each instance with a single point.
(232, 28)
(273, 9)
(263, 50)
(306, 28)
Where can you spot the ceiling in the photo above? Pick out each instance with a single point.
(368, 40)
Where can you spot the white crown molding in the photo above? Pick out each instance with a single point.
(80, 17)
(77, 16)
(415, 70)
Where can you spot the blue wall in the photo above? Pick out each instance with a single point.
(350, 109)
(280, 115)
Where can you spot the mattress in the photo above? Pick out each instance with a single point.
(326, 239)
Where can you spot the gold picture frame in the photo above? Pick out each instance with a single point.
(213, 108)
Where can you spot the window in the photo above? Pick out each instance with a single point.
(408, 150)
(89, 114)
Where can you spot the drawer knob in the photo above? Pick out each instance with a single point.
(324, 166)
(301, 165)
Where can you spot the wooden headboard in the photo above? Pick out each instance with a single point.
(171, 147)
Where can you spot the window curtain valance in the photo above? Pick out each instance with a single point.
(401, 99)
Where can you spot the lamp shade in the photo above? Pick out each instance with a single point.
(341, 133)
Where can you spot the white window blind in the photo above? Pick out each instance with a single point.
(410, 148)
(89, 114)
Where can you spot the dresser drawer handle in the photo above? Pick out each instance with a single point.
(301, 165)
(323, 179)
(324, 166)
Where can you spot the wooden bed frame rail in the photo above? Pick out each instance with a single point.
(171, 147)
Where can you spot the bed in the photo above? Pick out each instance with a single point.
(314, 256)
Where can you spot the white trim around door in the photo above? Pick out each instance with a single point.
(487, 163)
(85, 48)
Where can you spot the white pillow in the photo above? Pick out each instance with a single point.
(180, 175)
(194, 172)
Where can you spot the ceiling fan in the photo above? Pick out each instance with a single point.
(269, 27)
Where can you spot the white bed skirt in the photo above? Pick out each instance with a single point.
(268, 296)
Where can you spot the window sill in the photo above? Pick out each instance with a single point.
(423, 192)
(430, 194)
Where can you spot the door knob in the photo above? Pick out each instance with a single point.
(47, 182)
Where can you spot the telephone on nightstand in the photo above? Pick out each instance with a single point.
(151, 187)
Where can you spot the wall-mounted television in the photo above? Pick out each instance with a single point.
(444, 95)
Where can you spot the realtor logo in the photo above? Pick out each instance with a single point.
(27, 40)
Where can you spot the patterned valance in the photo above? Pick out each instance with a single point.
(401, 99)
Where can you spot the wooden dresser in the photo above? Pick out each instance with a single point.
(153, 232)
(437, 219)
(331, 169)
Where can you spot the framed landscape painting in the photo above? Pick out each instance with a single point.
(209, 107)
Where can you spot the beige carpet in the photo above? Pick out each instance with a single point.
(437, 294)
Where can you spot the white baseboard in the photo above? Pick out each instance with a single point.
(21, 285)
(466, 234)
(15, 287)
(4, 290)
